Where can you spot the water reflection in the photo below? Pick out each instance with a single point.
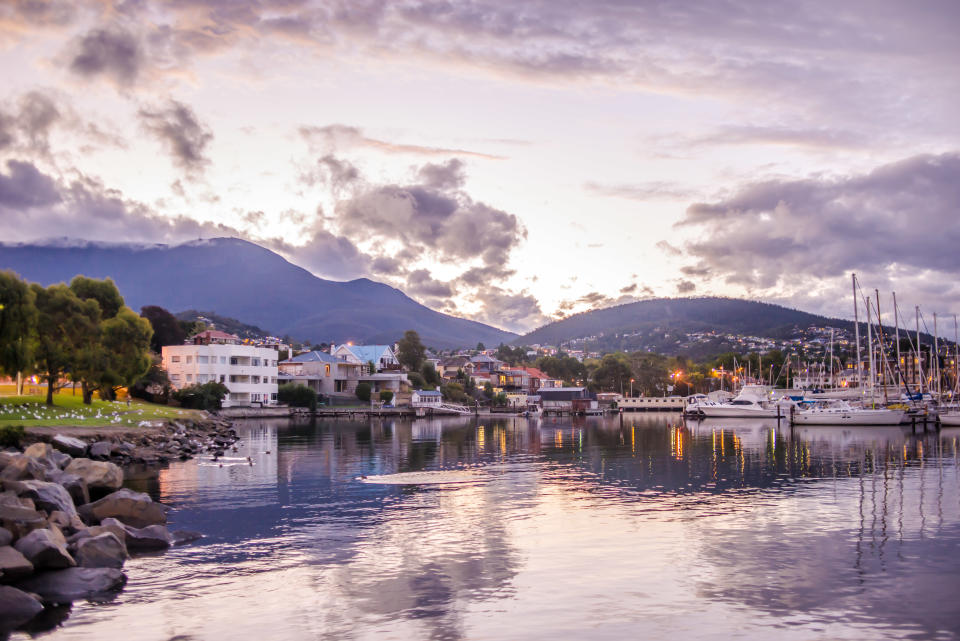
(596, 527)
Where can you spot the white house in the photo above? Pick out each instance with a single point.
(338, 374)
(381, 356)
(425, 398)
(249, 372)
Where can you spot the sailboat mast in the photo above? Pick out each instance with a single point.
(882, 365)
(831, 383)
(870, 351)
(936, 356)
(896, 325)
(856, 327)
(919, 359)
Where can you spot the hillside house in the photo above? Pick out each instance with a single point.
(337, 376)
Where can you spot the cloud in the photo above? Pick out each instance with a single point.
(35, 206)
(421, 283)
(657, 190)
(667, 248)
(786, 238)
(448, 175)
(339, 137)
(177, 126)
(25, 187)
(685, 287)
(325, 254)
(113, 53)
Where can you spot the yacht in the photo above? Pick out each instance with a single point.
(753, 401)
(950, 418)
(840, 412)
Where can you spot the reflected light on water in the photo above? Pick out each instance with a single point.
(601, 528)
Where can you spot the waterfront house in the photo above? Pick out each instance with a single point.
(249, 372)
(562, 398)
(426, 398)
(381, 356)
(337, 375)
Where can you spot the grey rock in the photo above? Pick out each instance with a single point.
(99, 475)
(66, 523)
(13, 565)
(101, 551)
(62, 460)
(21, 467)
(135, 509)
(46, 496)
(69, 445)
(6, 536)
(16, 608)
(63, 586)
(45, 549)
(20, 520)
(152, 537)
(75, 486)
(101, 450)
(43, 453)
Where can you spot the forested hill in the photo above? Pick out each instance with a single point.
(680, 316)
(242, 280)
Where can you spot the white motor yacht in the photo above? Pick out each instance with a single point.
(839, 412)
(950, 418)
(753, 401)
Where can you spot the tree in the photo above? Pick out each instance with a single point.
(18, 318)
(480, 347)
(416, 380)
(363, 392)
(386, 396)
(64, 324)
(167, 330)
(208, 396)
(154, 386)
(430, 376)
(454, 393)
(410, 351)
(126, 340)
(297, 395)
(614, 373)
(563, 367)
(650, 373)
(104, 291)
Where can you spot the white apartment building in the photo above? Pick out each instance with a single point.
(249, 372)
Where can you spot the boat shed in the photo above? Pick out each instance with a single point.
(561, 399)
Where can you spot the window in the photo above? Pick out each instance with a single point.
(203, 360)
(223, 360)
(273, 363)
(189, 377)
(174, 359)
(328, 369)
(202, 378)
(223, 378)
(255, 362)
(255, 380)
(273, 397)
(189, 359)
(175, 378)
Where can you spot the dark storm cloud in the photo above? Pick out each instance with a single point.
(25, 187)
(177, 126)
(114, 53)
(901, 214)
(34, 205)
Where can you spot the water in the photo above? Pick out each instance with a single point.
(556, 529)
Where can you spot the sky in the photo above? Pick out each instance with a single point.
(510, 162)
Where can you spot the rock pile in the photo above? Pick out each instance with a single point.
(56, 545)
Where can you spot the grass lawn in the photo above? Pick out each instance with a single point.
(69, 410)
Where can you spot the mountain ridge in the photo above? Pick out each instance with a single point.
(240, 279)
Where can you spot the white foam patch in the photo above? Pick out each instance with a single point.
(438, 477)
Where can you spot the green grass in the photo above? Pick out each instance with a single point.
(67, 409)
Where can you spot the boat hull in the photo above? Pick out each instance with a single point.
(950, 419)
(727, 411)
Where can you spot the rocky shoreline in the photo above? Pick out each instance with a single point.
(67, 524)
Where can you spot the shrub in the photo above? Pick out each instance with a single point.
(386, 396)
(363, 392)
(416, 380)
(208, 396)
(10, 435)
(297, 395)
(454, 393)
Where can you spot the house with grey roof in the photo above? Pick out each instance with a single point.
(337, 375)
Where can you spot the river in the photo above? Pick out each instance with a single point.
(558, 528)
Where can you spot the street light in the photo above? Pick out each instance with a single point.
(631, 388)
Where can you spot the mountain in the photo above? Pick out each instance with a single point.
(242, 280)
(646, 322)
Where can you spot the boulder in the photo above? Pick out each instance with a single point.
(99, 475)
(43, 453)
(46, 496)
(135, 509)
(75, 486)
(6, 536)
(152, 537)
(63, 586)
(101, 551)
(20, 520)
(68, 524)
(101, 450)
(45, 549)
(21, 467)
(16, 608)
(13, 565)
(69, 445)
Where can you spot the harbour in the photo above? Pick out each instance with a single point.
(746, 528)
